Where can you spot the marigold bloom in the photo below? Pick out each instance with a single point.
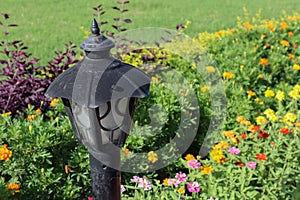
(217, 155)
(5, 153)
(253, 128)
(251, 165)
(221, 145)
(240, 119)
(205, 88)
(269, 93)
(261, 156)
(247, 25)
(295, 93)
(229, 134)
(13, 187)
(261, 120)
(289, 118)
(193, 187)
(271, 27)
(228, 75)
(270, 114)
(194, 164)
(54, 102)
(207, 170)
(284, 25)
(234, 151)
(264, 61)
(189, 157)
(285, 131)
(285, 43)
(279, 95)
(31, 117)
(290, 34)
(38, 112)
(263, 134)
(181, 190)
(251, 93)
(152, 156)
(296, 67)
(291, 56)
(210, 69)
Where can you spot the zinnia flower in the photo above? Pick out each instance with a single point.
(5, 153)
(189, 157)
(263, 135)
(194, 164)
(207, 170)
(193, 187)
(264, 61)
(13, 187)
(228, 75)
(285, 131)
(181, 177)
(234, 151)
(269, 93)
(279, 95)
(152, 156)
(251, 165)
(261, 156)
(285, 43)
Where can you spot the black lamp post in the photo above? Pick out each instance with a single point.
(100, 94)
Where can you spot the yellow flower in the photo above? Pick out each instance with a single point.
(259, 101)
(31, 117)
(152, 156)
(54, 102)
(285, 43)
(264, 61)
(289, 118)
(261, 120)
(260, 76)
(13, 187)
(269, 93)
(263, 36)
(240, 119)
(221, 145)
(251, 93)
(210, 69)
(279, 95)
(229, 134)
(6, 114)
(294, 93)
(5, 153)
(270, 114)
(284, 25)
(271, 27)
(165, 182)
(67, 169)
(217, 155)
(207, 170)
(228, 75)
(181, 190)
(205, 88)
(189, 157)
(247, 25)
(38, 111)
(296, 67)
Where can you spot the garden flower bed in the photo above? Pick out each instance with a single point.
(257, 152)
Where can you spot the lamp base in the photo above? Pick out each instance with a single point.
(106, 181)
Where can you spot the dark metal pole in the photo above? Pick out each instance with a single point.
(106, 182)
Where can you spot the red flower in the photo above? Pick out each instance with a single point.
(243, 136)
(261, 156)
(239, 163)
(285, 131)
(263, 134)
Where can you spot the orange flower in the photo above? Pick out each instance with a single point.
(5, 153)
(290, 34)
(264, 61)
(126, 152)
(228, 75)
(239, 163)
(247, 25)
(13, 187)
(253, 128)
(251, 93)
(261, 156)
(292, 56)
(229, 134)
(284, 25)
(67, 169)
(243, 136)
(207, 170)
(271, 27)
(285, 43)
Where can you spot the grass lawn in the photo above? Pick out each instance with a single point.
(45, 25)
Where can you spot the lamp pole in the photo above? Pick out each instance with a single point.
(100, 94)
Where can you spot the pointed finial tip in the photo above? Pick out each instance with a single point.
(95, 28)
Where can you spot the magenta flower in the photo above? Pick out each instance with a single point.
(173, 181)
(90, 198)
(144, 183)
(181, 177)
(194, 164)
(251, 165)
(193, 187)
(234, 151)
(123, 189)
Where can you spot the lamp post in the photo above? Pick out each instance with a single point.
(100, 94)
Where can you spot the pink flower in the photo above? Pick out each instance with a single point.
(144, 183)
(193, 187)
(123, 189)
(194, 164)
(90, 198)
(173, 181)
(251, 165)
(135, 179)
(234, 151)
(181, 177)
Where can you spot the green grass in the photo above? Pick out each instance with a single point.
(44, 25)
